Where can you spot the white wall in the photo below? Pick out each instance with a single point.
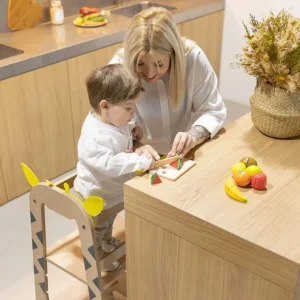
(235, 84)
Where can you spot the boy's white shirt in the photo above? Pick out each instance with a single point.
(202, 104)
(103, 165)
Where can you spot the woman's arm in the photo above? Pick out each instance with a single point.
(199, 134)
(208, 106)
(208, 109)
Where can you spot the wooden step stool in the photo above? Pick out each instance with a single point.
(75, 254)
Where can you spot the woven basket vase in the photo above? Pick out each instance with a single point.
(275, 112)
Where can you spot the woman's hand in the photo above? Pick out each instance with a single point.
(148, 151)
(185, 141)
(182, 144)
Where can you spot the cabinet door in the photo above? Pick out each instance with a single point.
(3, 196)
(207, 33)
(37, 126)
(151, 260)
(204, 275)
(79, 68)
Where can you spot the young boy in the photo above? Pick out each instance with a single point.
(105, 142)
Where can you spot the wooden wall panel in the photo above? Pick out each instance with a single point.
(205, 276)
(151, 259)
(207, 32)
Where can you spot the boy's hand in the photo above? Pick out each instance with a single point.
(148, 151)
(153, 164)
(137, 133)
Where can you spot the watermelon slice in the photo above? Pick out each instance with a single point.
(155, 179)
(177, 164)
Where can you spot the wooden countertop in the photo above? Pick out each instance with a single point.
(270, 219)
(47, 44)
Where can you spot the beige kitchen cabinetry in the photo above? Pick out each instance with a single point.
(207, 33)
(36, 126)
(3, 196)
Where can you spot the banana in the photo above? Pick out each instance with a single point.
(232, 190)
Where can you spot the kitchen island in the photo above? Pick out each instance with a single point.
(188, 240)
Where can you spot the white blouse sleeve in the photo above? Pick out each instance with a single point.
(207, 102)
(102, 158)
(118, 58)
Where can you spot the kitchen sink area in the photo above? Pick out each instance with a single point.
(133, 9)
(6, 51)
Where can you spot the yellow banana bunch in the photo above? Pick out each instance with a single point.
(232, 190)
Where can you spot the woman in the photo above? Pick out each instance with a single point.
(181, 106)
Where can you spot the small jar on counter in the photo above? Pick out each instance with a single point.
(56, 12)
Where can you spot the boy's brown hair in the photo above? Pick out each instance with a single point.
(112, 83)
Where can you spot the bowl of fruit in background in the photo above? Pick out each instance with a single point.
(91, 17)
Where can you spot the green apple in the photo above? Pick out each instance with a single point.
(251, 170)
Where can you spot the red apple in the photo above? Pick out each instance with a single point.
(259, 181)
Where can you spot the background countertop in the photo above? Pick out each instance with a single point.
(46, 44)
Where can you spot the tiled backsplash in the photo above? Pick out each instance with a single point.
(71, 7)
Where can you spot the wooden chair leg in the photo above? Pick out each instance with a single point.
(91, 261)
(37, 216)
(58, 201)
(118, 296)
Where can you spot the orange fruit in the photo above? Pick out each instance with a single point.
(242, 178)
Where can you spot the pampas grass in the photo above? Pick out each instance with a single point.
(272, 52)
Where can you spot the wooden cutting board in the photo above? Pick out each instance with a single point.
(172, 174)
(23, 14)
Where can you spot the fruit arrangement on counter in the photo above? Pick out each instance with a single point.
(91, 17)
(246, 172)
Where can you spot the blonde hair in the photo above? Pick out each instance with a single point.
(114, 83)
(153, 30)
